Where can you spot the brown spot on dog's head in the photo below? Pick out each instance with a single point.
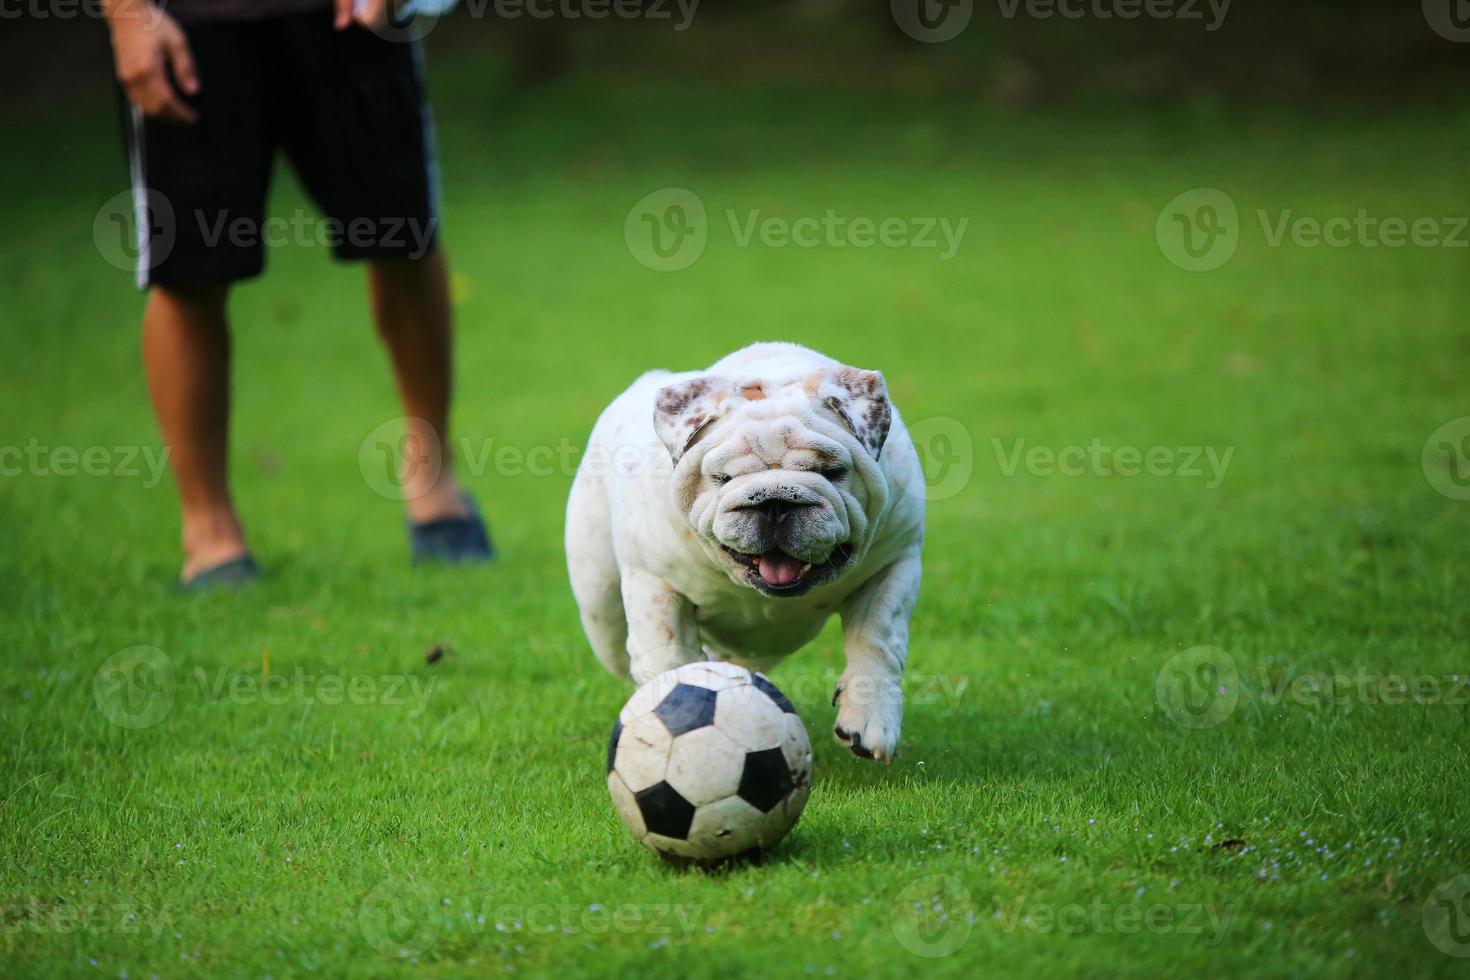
(682, 411)
(674, 399)
(753, 391)
(860, 400)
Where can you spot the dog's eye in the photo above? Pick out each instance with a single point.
(833, 473)
(720, 479)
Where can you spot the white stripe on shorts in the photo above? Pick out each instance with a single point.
(138, 166)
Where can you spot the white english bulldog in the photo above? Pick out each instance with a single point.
(726, 514)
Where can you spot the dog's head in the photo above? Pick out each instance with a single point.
(779, 479)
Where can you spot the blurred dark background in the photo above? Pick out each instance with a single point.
(1315, 53)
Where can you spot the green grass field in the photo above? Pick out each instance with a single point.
(456, 811)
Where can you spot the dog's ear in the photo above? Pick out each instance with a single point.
(682, 411)
(860, 400)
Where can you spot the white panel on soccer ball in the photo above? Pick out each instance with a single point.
(731, 826)
(795, 745)
(704, 765)
(627, 806)
(750, 719)
(643, 752)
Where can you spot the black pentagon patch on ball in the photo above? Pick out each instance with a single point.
(665, 811)
(766, 780)
(612, 745)
(686, 708)
(773, 692)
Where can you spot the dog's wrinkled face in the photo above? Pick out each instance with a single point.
(779, 479)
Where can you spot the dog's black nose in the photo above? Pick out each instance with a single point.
(777, 509)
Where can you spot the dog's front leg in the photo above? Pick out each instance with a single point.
(662, 633)
(875, 639)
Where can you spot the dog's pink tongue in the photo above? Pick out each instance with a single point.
(778, 568)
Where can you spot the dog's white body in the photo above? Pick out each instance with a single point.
(728, 513)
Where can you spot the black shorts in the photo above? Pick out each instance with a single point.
(348, 109)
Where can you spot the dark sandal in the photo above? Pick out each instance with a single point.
(234, 573)
(452, 540)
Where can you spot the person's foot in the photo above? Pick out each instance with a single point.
(234, 573)
(436, 500)
(212, 539)
(454, 539)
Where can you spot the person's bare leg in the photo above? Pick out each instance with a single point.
(186, 353)
(410, 299)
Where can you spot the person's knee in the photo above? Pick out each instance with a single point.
(204, 301)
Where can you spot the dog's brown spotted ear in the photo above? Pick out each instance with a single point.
(860, 400)
(682, 411)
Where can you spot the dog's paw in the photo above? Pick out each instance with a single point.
(869, 715)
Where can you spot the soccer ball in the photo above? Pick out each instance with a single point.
(709, 761)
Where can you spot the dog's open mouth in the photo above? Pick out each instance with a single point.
(777, 573)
